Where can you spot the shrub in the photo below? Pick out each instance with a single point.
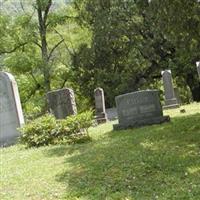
(47, 130)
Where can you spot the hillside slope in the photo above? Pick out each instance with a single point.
(152, 162)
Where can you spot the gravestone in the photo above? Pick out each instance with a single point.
(62, 103)
(111, 113)
(11, 116)
(100, 109)
(198, 68)
(138, 109)
(170, 98)
(177, 95)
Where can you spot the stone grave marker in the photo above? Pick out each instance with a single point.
(100, 109)
(111, 113)
(198, 68)
(170, 98)
(11, 116)
(62, 103)
(138, 109)
(177, 95)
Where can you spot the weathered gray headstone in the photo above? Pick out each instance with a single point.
(62, 103)
(177, 95)
(138, 109)
(100, 109)
(170, 98)
(11, 116)
(111, 113)
(198, 68)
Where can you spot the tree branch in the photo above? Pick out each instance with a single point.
(38, 85)
(39, 45)
(47, 11)
(22, 6)
(53, 49)
(39, 11)
(61, 36)
(14, 49)
(63, 84)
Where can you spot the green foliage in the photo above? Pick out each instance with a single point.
(47, 130)
(132, 43)
(112, 60)
(121, 46)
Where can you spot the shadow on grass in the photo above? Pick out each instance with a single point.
(153, 162)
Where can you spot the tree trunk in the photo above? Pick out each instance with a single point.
(42, 18)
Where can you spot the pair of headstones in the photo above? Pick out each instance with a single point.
(143, 107)
(62, 104)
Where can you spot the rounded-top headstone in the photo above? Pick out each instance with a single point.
(170, 98)
(62, 103)
(99, 100)
(100, 109)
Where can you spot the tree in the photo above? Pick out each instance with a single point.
(31, 46)
(127, 52)
(133, 41)
(179, 21)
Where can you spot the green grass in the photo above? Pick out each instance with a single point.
(152, 162)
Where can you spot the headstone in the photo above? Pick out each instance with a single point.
(100, 109)
(11, 116)
(111, 113)
(138, 109)
(62, 103)
(177, 95)
(170, 98)
(198, 68)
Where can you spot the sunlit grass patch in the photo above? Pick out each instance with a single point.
(152, 162)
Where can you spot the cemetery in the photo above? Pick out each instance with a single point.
(99, 100)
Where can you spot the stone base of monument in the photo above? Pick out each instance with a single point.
(171, 103)
(8, 141)
(143, 122)
(171, 106)
(101, 118)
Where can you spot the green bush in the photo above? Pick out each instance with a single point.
(47, 130)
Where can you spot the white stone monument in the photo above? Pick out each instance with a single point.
(11, 116)
(101, 116)
(170, 98)
(198, 67)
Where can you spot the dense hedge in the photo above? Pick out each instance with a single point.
(47, 130)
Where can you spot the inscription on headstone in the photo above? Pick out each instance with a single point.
(170, 98)
(11, 116)
(62, 103)
(139, 108)
(100, 109)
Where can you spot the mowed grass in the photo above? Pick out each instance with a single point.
(152, 162)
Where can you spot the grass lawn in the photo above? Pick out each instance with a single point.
(152, 162)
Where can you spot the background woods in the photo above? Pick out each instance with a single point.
(121, 46)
